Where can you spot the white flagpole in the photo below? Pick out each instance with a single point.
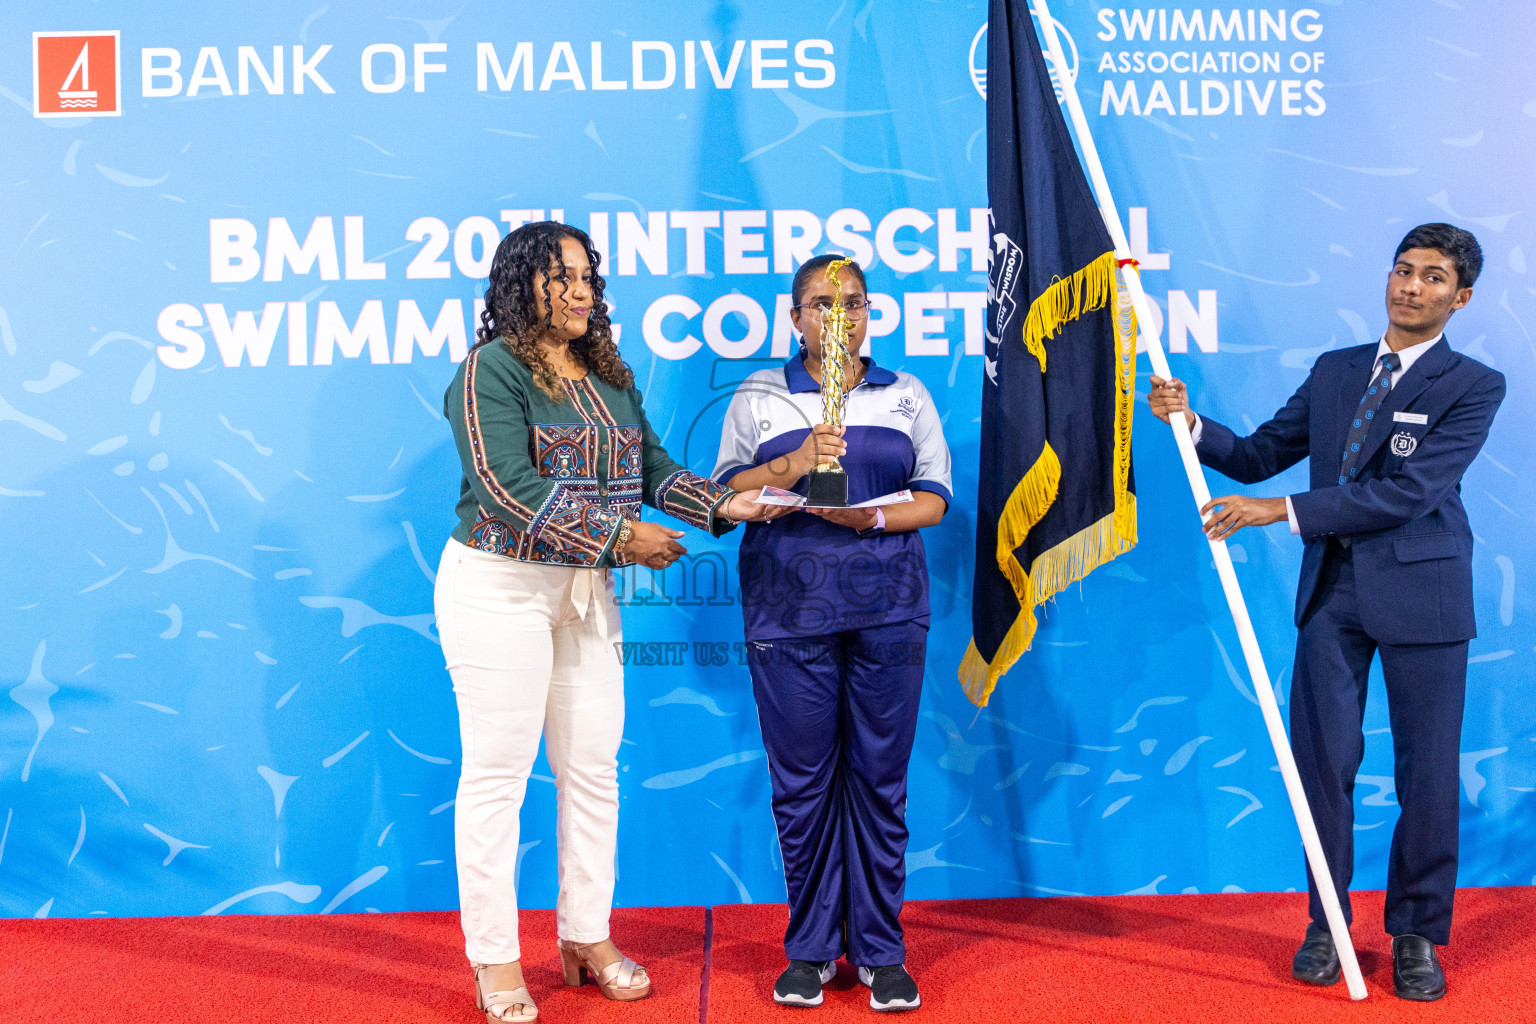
(1250, 642)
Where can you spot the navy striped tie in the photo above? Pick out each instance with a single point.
(1370, 404)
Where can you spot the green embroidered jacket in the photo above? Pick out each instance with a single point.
(550, 482)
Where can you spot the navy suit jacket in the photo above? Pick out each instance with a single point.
(1412, 544)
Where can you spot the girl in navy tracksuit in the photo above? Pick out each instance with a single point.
(836, 610)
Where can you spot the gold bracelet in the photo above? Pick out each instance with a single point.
(625, 532)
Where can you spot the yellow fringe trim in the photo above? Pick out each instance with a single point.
(1125, 402)
(1050, 574)
(1068, 298)
(1025, 507)
(1077, 556)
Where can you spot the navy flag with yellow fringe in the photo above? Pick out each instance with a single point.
(1056, 498)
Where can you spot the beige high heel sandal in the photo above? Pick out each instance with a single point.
(622, 980)
(499, 1006)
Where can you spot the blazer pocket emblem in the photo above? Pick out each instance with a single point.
(1403, 444)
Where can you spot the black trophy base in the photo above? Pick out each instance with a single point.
(829, 489)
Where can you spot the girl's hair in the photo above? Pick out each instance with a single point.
(818, 264)
(511, 310)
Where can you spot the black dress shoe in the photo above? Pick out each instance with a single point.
(1416, 972)
(1316, 962)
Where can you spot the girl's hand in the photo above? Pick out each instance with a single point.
(853, 518)
(821, 445)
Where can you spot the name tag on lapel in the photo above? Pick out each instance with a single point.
(1410, 417)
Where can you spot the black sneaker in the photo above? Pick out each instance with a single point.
(890, 988)
(800, 984)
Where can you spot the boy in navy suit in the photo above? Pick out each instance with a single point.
(1390, 428)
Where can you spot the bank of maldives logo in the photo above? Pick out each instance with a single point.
(76, 74)
(1068, 45)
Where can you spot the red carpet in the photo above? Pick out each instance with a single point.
(336, 969)
(1190, 959)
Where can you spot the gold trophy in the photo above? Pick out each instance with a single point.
(829, 482)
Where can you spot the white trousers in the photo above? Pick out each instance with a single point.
(531, 650)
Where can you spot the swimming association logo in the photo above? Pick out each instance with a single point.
(76, 74)
(978, 58)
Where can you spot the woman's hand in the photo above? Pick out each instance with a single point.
(853, 518)
(1167, 398)
(652, 545)
(743, 508)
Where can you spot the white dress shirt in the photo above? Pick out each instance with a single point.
(1406, 358)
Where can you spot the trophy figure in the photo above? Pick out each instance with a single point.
(829, 482)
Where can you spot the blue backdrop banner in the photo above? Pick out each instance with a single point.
(241, 250)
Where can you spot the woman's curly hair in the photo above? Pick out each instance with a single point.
(511, 309)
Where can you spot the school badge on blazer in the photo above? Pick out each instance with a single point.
(1403, 444)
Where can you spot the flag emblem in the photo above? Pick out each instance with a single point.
(1007, 260)
(76, 74)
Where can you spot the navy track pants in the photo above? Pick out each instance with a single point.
(838, 715)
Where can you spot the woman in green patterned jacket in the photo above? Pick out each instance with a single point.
(557, 458)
